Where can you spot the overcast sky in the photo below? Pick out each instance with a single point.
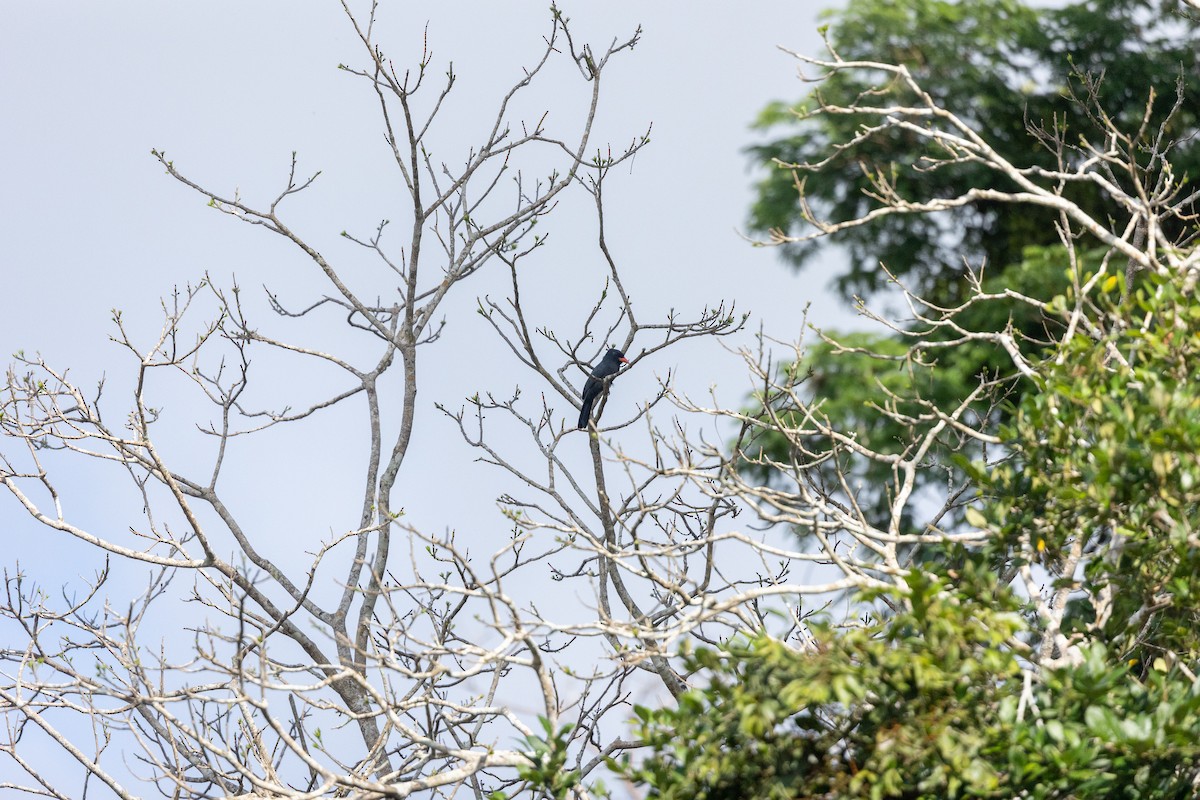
(90, 222)
(230, 89)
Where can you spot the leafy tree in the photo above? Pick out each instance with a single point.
(876, 707)
(930, 703)
(1036, 82)
(1004, 67)
(1032, 629)
(1081, 685)
(1109, 462)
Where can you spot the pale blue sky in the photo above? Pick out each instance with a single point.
(229, 89)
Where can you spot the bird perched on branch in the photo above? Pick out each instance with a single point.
(601, 376)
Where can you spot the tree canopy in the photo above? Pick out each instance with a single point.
(1005, 67)
(1039, 635)
(1056, 660)
(1036, 83)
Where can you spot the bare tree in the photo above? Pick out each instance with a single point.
(270, 665)
(397, 660)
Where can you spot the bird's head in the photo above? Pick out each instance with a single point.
(616, 354)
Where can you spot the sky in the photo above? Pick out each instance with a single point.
(229, 90)
(91, 224)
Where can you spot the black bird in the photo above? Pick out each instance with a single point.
(609, 365)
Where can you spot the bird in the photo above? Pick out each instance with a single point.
(601, 376)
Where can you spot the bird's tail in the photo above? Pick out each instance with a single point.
(585, 414)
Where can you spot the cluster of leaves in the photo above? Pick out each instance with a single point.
(872, 708)
(1110, 463)
(925, 704)
(547, 767)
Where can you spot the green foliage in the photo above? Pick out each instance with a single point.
(1101, 732)
(925, 704)
(1001, 65)
(953, 693)
(1008, 70)
(1081, 681)
(1109, 458)
(863, 712)
(547, 761)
